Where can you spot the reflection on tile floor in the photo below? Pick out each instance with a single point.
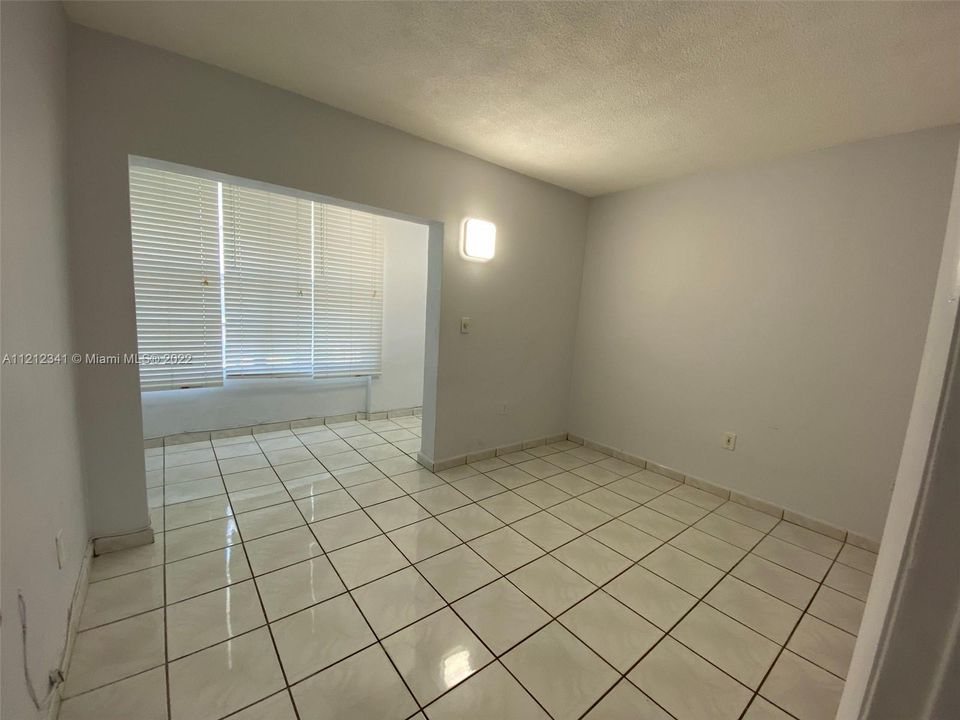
(322, 573)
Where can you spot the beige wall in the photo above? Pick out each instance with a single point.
(39, 451)
(128, 98)
(787, 303)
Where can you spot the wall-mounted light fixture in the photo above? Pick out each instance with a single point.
(479, 240)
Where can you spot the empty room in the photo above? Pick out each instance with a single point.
(479, 360)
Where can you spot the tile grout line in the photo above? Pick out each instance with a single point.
(166, 653)
(449, 606)
(540, 509)
(546, 509)
(783, 648)
(700, 600)
(359, 610)
(505, 576)
(166, 649)
(547, 480)
(545, 552)
(553, 618)
(580, 533)
(263, 607)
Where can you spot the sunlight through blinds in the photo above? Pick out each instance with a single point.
(348, 299)
(176, 269)
(268, 288)
(249, 282)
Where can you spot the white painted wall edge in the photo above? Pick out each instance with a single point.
(913, 478)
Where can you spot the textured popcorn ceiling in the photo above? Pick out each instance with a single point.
(595, 97)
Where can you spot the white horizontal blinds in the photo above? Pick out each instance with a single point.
(238, 281)
(268, 287)
(176, 269)
(348, 296)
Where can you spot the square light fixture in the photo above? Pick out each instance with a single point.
(479, 240)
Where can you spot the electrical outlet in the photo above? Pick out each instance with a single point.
(502, 409)
(61, 551)
(729, 441)
(465, 326)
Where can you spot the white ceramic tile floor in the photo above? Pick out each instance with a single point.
(321, 573)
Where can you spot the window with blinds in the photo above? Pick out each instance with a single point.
(348, 300)
(175, 226)
(268, 282)
(252, 283)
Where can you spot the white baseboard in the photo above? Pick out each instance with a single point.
(113, 543)
(424, 460)
(456, 460)
(764, 506)
(722, 491)
(73, 627)
(216, 433)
